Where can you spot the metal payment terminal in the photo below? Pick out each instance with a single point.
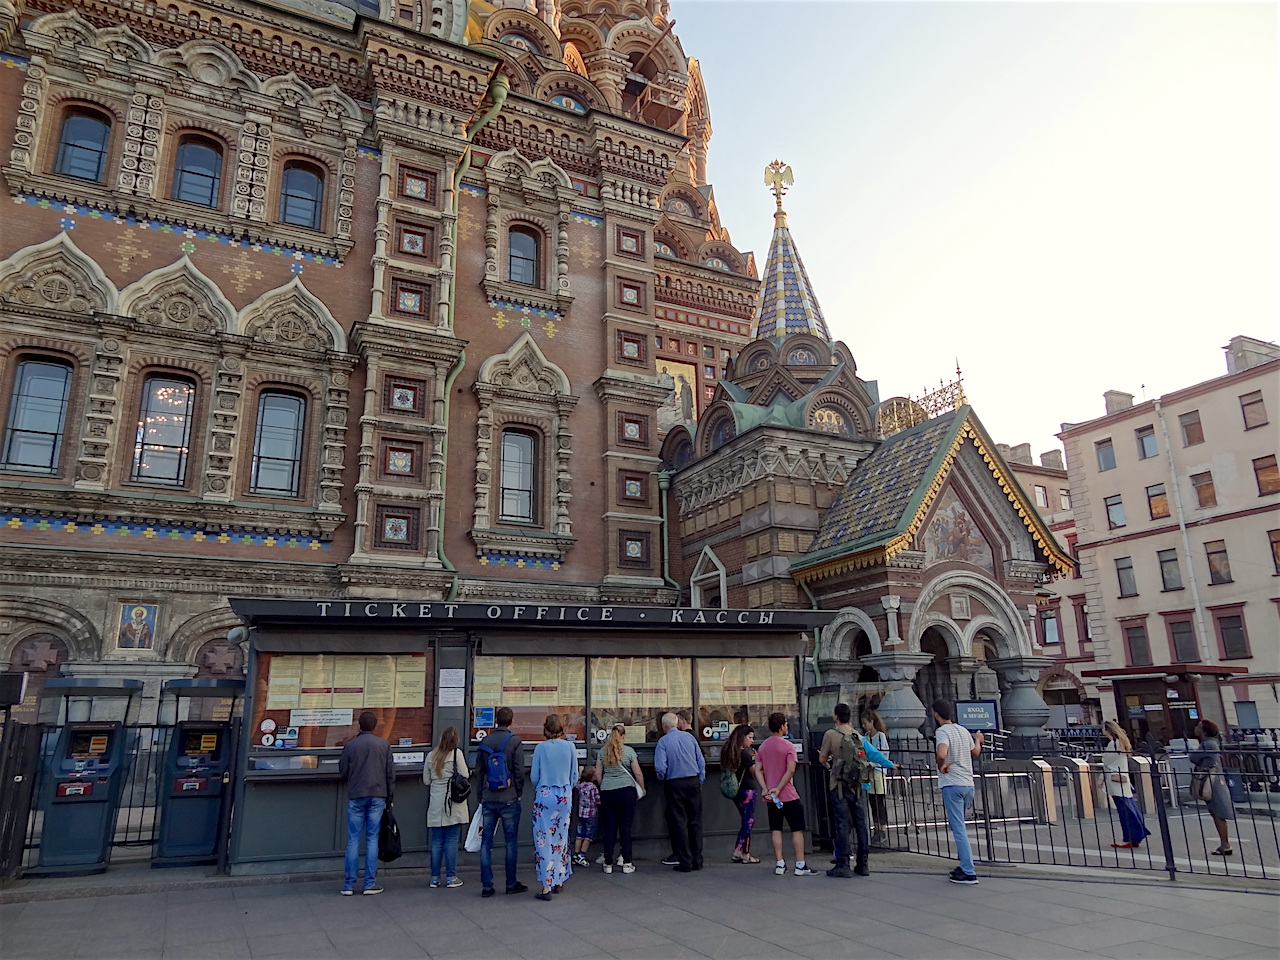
(86, 777)
(193, 782)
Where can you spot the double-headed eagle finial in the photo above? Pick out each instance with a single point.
(777, 177)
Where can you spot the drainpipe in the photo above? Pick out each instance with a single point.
(1196, 602)
(664, 484)
(817, 633)
(496, 96)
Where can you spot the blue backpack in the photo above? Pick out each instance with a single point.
(497, 775)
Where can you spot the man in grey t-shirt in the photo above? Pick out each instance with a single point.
(954, 754)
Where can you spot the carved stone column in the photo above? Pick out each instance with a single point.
(1022, 710)
(962, 672)
(892, 604)
(901, 709)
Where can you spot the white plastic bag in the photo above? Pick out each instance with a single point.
(472, 844)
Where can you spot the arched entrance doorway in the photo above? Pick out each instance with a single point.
(934, 681)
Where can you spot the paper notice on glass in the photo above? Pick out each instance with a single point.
(411, 688)
(630, 683)
(313, 699)
(679, 684)
(544, 680)
(759, 681)
(604, 686)
(284, 683)
(735, 681)
(656, 692)
(515, 681)
(412, 664)
(486, 681)
(348, 682)
(317, 671)
(784, 680)
(635, 734)
(450, 677)
(451, 697)
(711, 681)
(379, 682)
(286, 667)
(573, 682)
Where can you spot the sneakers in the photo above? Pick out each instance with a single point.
(844, 873)
(435, 883)
(453, 882)
(805, 871)
(780, 868)
(372, 891)
(628, 868)
(959, 876)
(600, 860)
(348, 893)
(670, 861)
(488, 892)
(608, 868)
(518, 888)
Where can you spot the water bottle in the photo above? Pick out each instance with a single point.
(777, 801)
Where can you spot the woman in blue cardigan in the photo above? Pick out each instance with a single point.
(555, 770)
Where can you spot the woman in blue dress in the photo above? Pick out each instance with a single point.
(554, 772)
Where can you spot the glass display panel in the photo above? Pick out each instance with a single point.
(733, 690)
(637, 691)
(310, 701)
(532, 687)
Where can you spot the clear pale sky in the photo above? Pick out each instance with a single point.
(1069, 197)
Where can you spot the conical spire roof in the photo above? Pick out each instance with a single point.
(787, 304)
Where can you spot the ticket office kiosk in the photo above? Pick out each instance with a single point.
(86, 777)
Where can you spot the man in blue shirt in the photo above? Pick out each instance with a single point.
(679, 764)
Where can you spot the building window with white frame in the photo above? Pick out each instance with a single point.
(707, 582)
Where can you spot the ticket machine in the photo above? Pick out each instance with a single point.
(82, 793)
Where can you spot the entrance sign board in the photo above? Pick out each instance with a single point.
(981, 715)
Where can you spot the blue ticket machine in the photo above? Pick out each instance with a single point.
(193, 784)
(86, 777)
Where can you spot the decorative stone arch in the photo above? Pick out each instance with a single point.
(291, 316)
(1060, 671)
(198, 630)
(989, 624)
(123, 44)
(56, 275)
(859, 420)
(706, 572)
(838, 636)
(573, 61)
(1008, 623)
(756, 357)
(638, 36)
(811, 346)
(691, 199)
(73, 627)
(677, 447)
(209, 62)
(504, 22)
(670, 233)
(562, 82)
(337, 104)
(289, 90)
(719, 249)
(512, 164)
(75, 353)
(69, 28)
(179, 297)
(583, 34)
(710, 424)
(951, 632)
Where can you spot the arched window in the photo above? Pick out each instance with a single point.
(160, 446)
(519, 472)
(82, 144)
(197, 171)
(277, 445)
(523, 248)
(37, 413)
(301, 195)
(722, 432)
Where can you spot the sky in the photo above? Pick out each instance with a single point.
(1065, 197)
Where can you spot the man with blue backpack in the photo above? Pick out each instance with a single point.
(499, 769)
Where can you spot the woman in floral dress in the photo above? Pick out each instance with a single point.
(554, 772)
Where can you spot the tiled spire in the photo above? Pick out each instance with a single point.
(787, 304)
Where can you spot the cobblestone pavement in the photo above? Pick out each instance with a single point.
(905, 909)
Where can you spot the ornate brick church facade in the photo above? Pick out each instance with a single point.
(359, 299)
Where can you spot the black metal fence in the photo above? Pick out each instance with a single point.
(1056, 810)
(138, 814)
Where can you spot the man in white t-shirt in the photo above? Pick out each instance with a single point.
(955, 751)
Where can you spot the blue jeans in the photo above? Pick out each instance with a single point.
(849, 809)
(491, 811)
(444, 846)
(956, 800)
(363, 815)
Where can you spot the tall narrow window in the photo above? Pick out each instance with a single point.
(1125, 577)
(522, 256)
(37, 414)
(1267, 474)
(1146, 437)
(301, 195)
(1106, 454)
(164, 431)
(1050, 631)
(1135, 638)
(1232, 635)
(1064, 499)
(197, 171)
(1192, 430)
(1183, 640)
(1170, 574)
(1274, 537)
(1206, 495)
(1253, 409)
(277, 445)
(82, 145)
(1219, 564)
(1042, 496)
(1157, 501)
(1115, 511)
(519, 477)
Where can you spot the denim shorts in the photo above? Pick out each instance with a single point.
(586, 828)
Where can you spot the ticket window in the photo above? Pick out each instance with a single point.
(532, 687)
(733, 691)
(314, 701)
(636, 692)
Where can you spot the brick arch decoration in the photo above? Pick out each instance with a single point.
(838, 636)
(57, 275)
(1059, 671)
(196, 634)
(68, 349)
(40, 655)
(76, 631)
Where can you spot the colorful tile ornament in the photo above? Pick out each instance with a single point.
(516, 562)
(591, 220)
(523, 310)
(145, 531)
(13, 62)
(161, 226)
(474, 191)
(370, 152)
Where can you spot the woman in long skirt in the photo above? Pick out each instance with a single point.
(1115, 768)
(554, 772)
(1208, 764)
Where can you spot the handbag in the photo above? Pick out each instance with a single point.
(459, 786)
(1202, 786)
(389, 847)
(472, 843)
(639, 789)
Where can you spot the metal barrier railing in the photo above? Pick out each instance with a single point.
(1058, 811)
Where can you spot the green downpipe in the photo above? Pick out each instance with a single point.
(817, 633)
(496, 94)
(664, 484)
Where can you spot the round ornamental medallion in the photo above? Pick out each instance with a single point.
(179, 311)
(290, 329)
(55, 289)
